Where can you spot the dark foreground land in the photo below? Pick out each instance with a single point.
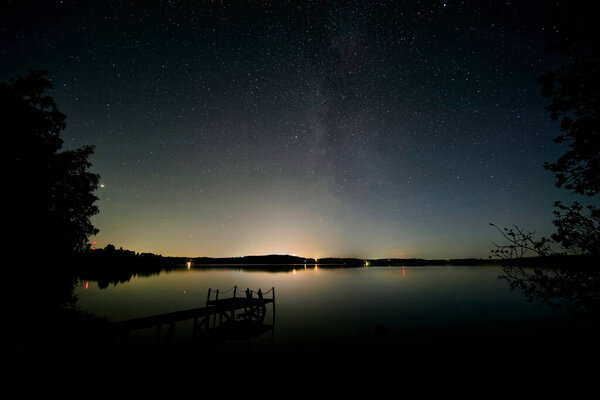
(506, 355)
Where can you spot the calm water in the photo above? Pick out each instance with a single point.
(326, 305)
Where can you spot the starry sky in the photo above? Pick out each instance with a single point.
(364, 129)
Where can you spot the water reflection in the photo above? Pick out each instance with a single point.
(439, 309)
(313, 293)
(574, 288)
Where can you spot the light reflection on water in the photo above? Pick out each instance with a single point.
(315, 304)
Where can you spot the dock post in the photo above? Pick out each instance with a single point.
(215, 315)
(273, 319)
(208, 297)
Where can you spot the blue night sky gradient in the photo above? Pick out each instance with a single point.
(350, 129)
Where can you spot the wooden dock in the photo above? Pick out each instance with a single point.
(236, 317)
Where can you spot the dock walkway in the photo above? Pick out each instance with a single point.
(236, 317)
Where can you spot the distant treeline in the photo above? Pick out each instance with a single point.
(333, 261)
(423, 262)
(111, 257)
(272, 259)
(111, 265)
(119, 265)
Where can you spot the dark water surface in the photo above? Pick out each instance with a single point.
(408, 313)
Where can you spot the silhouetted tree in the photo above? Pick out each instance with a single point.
(49, 196)
(50, 192)
(574, 91)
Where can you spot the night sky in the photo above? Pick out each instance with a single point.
(323, 129)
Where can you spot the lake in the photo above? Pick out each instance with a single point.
(405, 310)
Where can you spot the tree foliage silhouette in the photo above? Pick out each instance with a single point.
(574, 91)
(578, 227)
(51, 192)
